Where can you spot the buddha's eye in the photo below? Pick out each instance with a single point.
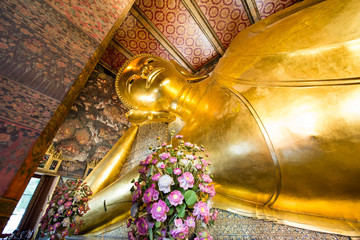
(131, 81)
(150, 61)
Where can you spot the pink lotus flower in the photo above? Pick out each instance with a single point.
(204, 236)
(208, 189)
(186, 180)
(150, 194)
(188, 144)
(177, 171)
(201, 210)
(206, 178)
(156, 177)
(179, 136)
(154, 161)
(164, 156)
(180, 233)
(160, 165)
(159, 210)
(198, 166)
(178, 222)
(173, 159)
(67, 205)
(214, 215)
(190, 221)
(131, 235)
(175, 198)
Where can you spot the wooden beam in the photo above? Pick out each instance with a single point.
(252, 10)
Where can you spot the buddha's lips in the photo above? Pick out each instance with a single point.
(152, 75)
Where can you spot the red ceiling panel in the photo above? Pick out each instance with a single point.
(176, 24)
(113, 58)
(137, 39)
(226, 17)
(268, 7)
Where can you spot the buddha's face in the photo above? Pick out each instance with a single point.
(149, 83)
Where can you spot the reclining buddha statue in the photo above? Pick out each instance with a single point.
(279, 115)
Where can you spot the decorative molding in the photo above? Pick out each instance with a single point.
(204, 25)
(121, 49)
(252, 10)
(140, 16)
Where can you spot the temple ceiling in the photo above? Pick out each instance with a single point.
(192, 32)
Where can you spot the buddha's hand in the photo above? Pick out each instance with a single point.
(141, 117)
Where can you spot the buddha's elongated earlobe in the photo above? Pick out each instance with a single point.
(191, 78)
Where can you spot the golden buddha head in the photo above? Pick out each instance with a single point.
(151, 83)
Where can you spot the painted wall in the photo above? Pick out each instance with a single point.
(44, 46)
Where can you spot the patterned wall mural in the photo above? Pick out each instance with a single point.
(94, 124)
(269, 7)
(44, 46)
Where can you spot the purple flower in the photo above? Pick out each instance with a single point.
(175, 198)
(190, 221)
(61, 201)
(201, 210)
(165, 182)
(204, 236)
(128, 222)
(186, 180)
(164, 156)
(142, 226)
(76, 231)
(68, 212)
(154, 161)
(150, 194)
(156, 177)
(137, 194)
(177, 171)
(173, 159)
(67, 205)
(56, 225)
(64, 233)
(206, 178)
(131, 235)
(180, 232)
(159, 210)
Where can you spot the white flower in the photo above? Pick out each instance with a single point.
(78, 198)
(77, 219)
(51, 212)
(165, 182)
(179, 153)
(160, 164)
(190, 157)
(61, 209)
(169, 146)
(66, 222)
(183, 161)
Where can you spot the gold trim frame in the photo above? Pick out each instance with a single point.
(53, 162)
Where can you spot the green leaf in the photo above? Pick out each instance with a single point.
(181, 210)
(170, 212)
(195, 188)
(169, 170)
(182, 191)
(151, 234)
(190, 197)
(133, 180)
(157, 224)
(167, 202)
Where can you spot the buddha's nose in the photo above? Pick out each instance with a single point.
(145, 71)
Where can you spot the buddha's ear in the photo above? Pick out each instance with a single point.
(191, 78)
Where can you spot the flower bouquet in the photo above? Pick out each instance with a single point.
(172, 196)
(63, 214)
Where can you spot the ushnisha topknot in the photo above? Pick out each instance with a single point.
(118, 76)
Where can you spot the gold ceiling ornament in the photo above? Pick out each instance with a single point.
(280, 116)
